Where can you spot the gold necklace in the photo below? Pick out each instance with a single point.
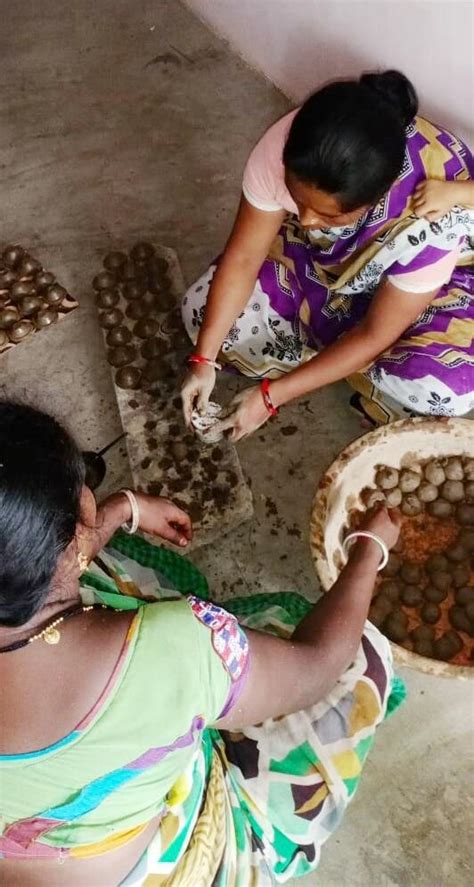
(50, 633)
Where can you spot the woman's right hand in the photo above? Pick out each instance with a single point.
(384, 523)
(197, 388)
(323, 645)
(162, 518)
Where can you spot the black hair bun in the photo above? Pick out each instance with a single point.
(395, 89)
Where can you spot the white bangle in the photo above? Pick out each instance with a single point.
(132, 527)
(367, 535)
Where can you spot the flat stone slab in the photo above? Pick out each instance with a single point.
(165, 458)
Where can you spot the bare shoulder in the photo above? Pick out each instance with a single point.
(46, 690)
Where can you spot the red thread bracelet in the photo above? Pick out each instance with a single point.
(197, 358)
(264, 388)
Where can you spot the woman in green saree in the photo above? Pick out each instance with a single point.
(129, 752)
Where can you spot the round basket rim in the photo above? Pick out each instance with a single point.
(402, 657)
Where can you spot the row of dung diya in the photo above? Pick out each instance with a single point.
(30, 297)
(137, 311)
(144, 335)
(425, 599)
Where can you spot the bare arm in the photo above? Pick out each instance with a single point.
(234, 280)
(230, 290)
(287, 676)
(158, 517)
(391, 312)
(111, 514)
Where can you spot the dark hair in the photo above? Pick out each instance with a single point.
(41, 477)
(348, 139)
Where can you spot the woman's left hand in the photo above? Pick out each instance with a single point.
(245, 413)
(160, 517)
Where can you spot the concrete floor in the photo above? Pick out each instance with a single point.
(127, 119)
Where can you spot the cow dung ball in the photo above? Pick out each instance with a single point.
(456, 553)
(434, 473)
(465, 514)
(377, 613)
(395, 626)
(440, 509)
(437, 563)
(455, 640)
(435, 595)
(409, 480)
(430, 613)
(441, 580)
(423, 648)
(454, 469)
(452, 491)
(386, 478)
(466, 537)
(461, 575)
(411, 573)
(393, 497)
(459, 619)
(390, 589)
(465, 595)
(445, 648)
(411, 596)
(427, 492)
(393, 566)
(371, 497)
(423, 633)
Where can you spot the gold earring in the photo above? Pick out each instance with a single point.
(83, 561)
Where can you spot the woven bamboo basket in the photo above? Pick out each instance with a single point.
(394, 445)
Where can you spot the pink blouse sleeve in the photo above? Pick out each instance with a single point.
(423, 280)
(264, 176)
